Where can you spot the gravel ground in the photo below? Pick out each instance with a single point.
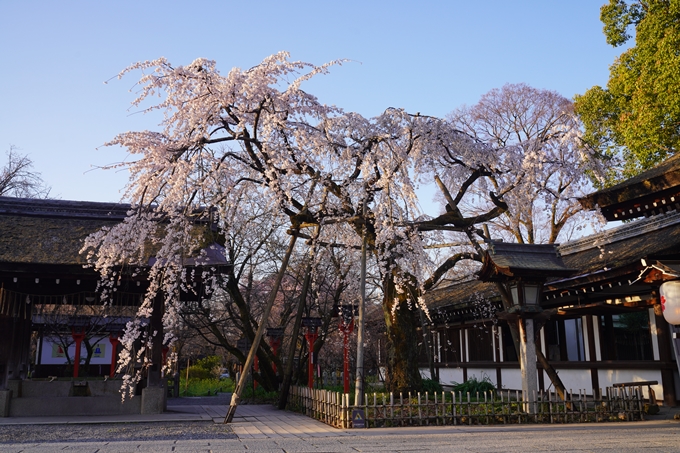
(112, 432)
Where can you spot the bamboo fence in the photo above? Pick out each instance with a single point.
(457, 408)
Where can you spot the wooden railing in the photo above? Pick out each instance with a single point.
(457, 408)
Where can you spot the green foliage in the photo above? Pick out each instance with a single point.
(205, 387)
(430, 385)
(617, 17)
(474, 385)
(199, 373)
(206, 368)
(638, 113)
(211, 363)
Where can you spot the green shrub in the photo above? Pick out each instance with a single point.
(204, 387)
(206, 368)
(431, 386)
(198, 373)
(474, 385)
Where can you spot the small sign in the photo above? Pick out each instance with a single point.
(275, 332)
(57, 351)
(312, 322)
(358, 418)
(349, 312)
(243, 345)
(99, 350)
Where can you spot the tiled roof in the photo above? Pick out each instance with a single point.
(459, 294)
(56, 238)
(625, 244)
(593, 256)
(662, 177)
(505, 260)
(37, 231)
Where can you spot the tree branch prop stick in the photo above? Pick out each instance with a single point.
(359, 382)
(236, 396)
(288, 374)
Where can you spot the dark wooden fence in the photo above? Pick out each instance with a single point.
(457, 408)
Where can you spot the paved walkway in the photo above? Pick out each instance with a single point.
(267, 422)
(262, 421)
(250, 421)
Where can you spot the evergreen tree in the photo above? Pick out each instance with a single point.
(638, 113)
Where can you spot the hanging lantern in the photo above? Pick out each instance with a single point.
(670, 301)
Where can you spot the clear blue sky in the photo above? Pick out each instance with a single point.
(426, 56)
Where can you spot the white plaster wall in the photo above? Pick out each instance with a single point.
(573, 380)
(481, 373)
(609, 377)
(449, 375)
(512, 378)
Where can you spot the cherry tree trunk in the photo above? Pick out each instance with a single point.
(401, 320)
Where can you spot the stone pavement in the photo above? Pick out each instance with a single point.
(250, 421)
(262, 421)
(264, 428)
(265, 421)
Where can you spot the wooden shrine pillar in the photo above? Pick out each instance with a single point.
(15, 345)
(664, 336)
(154, 376)
(155, 394)
(15, 341)
(6, 341)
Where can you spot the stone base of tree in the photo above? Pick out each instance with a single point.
(5, 397)
(153, 400)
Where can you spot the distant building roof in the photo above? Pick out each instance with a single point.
(40, 231)
(608, 264)
(63, 208)
(607, 267)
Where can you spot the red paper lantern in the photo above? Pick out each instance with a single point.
(670, 301)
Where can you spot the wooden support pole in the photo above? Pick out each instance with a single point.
(288, 373)
(359, 381)
(236, 396)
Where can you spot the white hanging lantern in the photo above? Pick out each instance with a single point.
(670, 301)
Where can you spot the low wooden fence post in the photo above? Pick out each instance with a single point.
(453, 408)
